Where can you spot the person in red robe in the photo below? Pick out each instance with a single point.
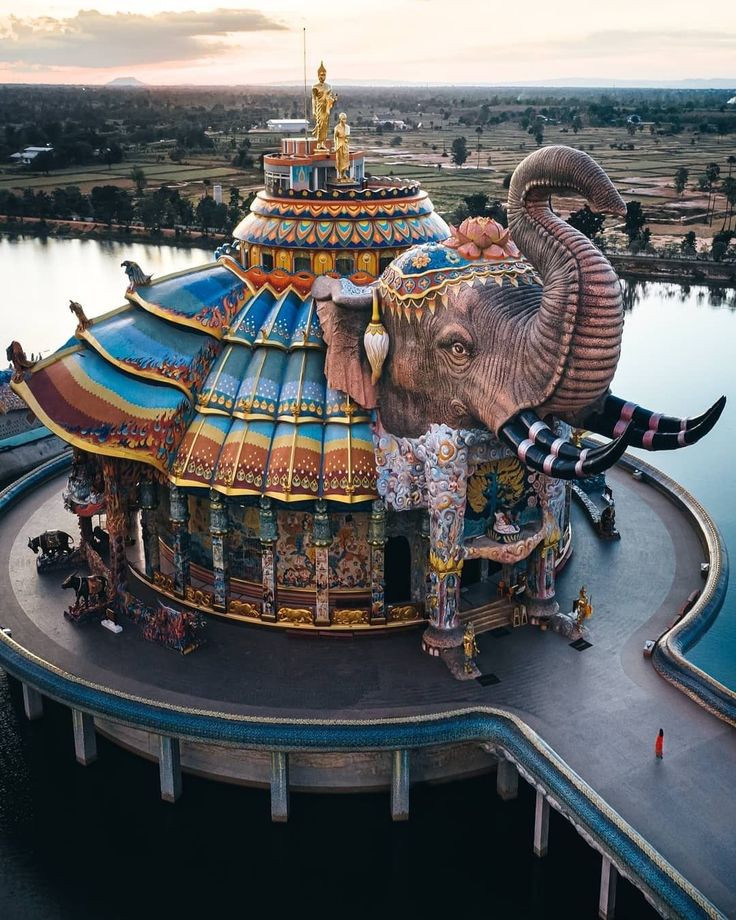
(659, 745)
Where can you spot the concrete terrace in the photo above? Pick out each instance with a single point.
(599, 709)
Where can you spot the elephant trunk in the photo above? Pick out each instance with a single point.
(574, 339)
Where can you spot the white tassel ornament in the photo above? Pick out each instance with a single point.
(376, 341)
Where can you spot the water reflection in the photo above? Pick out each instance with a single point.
(636, 291)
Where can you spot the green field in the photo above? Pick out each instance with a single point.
(644, 173)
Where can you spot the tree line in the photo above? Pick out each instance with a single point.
(162, 209)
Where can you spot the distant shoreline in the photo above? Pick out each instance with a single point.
(645, 267)
(88, 230)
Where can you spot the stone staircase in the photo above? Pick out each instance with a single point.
(490, 616)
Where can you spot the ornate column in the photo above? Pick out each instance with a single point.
(422, 566)
(321, 540)
(218, 531)
(540, 585)
(377, 543)
(179, 517)
(268, 536)
(149, 526)
(445, 456)
(117, 520)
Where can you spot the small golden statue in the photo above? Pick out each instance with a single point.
(583, 607)
(470, 648)
(341, 146)
(322, 101)
(82, 321)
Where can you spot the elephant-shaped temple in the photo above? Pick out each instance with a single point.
(357, 411)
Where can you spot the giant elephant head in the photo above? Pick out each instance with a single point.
(470, 334)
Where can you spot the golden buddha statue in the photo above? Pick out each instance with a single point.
(322, 101)
(341, 146)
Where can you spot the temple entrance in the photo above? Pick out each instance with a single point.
(471, 572)
(397, 570)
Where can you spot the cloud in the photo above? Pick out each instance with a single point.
(619, 44)
(91, 39)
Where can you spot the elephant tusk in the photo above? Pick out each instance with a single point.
(560, 460)
(652, 430)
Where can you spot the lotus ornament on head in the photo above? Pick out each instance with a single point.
(482, 237)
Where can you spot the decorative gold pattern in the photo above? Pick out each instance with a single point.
(198, 597)
(165, 582)
(449, 566)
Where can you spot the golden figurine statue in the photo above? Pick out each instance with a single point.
(341, 146)
(470, 647)
(583, 607)
(322, 101)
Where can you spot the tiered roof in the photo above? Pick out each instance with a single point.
(214, 376)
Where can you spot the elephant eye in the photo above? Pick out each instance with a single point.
(459, 349)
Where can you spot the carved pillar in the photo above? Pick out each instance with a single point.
(424, 534)
(445, 456)
(377, 543)
(268, 536)
(321, 540)
(179, 517)
(218, 531)
(117, 519)
(540, 586)
(149, 526)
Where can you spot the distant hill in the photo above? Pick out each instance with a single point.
(125, 83)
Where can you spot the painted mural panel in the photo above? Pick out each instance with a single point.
(349, 559)
(200, 541)
(499, 494)
(295, 553)
(243, 546)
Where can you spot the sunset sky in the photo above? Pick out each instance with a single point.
(466, 41)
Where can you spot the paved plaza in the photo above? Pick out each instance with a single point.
(600, 709)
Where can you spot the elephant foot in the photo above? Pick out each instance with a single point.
(435, 641)
(540, 610)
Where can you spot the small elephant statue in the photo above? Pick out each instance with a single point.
(472, 335)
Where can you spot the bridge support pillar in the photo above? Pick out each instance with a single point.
(607, 898)
(507, 780)
(32, 703)
(85, 740)
(169, 767)
(400, 785)
(541, 825)
(279, 786)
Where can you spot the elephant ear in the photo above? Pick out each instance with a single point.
(344, 311)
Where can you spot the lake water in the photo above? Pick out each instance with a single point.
(97, 842)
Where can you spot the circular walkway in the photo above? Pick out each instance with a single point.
(599, 709)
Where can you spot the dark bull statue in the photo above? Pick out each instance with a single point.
(508, 357)
(87, 587)
(51, 543)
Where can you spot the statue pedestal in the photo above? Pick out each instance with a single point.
(435, 641)
(343, 185)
